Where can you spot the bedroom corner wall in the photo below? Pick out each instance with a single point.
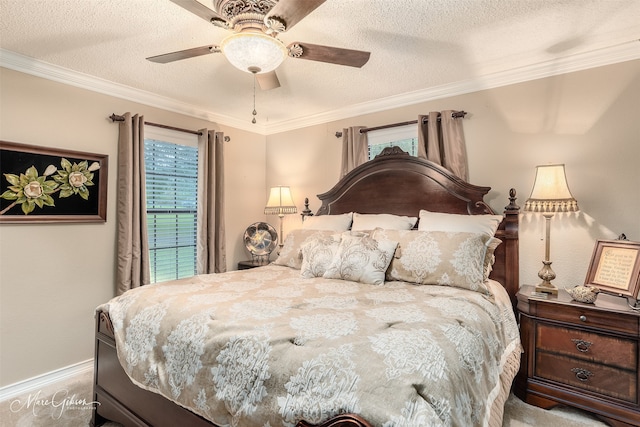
(53, 276)
(587, 120)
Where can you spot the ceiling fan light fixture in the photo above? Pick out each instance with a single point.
(249, 50)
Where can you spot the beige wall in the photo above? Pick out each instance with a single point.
(587, 120)
(53, 276)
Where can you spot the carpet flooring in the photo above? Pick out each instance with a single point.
(67, 404)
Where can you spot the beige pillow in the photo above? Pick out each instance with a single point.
(438, 258)
(341, 222)
(437, 221)
(291, 255)
(318, 252)
(386, 221)
(361, 259)
(489, 258)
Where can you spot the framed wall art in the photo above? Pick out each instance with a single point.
(41, 184)
(615, 267)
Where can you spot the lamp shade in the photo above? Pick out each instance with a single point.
(550, 191)
(250, 51)
(280, 202)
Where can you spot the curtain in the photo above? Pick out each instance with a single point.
(355, 149)
(211, 250)
(442, 142)
(133, 244)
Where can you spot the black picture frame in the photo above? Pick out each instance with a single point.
(62, 185)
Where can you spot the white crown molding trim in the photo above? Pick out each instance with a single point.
(35, 67)
(41, 381)
(606, 56)
(620, 53)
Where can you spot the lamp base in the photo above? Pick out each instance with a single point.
(547, 289)
(547, 275)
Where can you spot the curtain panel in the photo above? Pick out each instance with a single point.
(442, 142)
(132, 239)
(355, 149)
(211, 248)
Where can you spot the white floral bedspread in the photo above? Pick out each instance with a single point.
(266, 347)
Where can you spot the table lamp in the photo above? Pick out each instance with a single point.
(550, 194)
(280, 203)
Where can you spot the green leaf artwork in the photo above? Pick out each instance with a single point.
(30, 190)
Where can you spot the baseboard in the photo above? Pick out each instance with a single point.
(36, 383)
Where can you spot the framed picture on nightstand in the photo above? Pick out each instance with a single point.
(615, 267)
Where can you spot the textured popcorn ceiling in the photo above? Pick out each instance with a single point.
(415, 45)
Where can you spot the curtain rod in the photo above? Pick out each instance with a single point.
(116, 118)
(455, 115)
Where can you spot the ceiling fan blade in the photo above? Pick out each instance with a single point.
(268, 80)
(197, 8)
(333, 55)
(184, 54)
(292, 11)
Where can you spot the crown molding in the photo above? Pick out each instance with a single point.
(619, 53)
(35, 67)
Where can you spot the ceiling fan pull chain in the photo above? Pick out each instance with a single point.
(254, 100)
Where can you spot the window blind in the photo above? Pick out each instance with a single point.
(172, 190)
(408, 145)
(405, 137)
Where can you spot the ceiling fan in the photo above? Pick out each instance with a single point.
(254, 46)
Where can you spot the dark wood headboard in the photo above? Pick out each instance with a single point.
(400, 184)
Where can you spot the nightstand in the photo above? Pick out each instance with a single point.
(580, 355)
(245, 265)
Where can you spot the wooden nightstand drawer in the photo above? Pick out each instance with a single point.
(586, 316)
(596, 378)
(599, 348)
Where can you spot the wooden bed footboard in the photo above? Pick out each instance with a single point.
(120, 400)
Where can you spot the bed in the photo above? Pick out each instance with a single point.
(341, 346)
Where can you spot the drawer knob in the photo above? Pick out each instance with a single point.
(582, 374)
(582, 345)
(583, 318)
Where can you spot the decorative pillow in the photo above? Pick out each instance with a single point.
(489, 257)
(361, 259)
(340, 222)
(386, 221)
(437, 221)
(291, 255)
(438, 258)
(318, 252)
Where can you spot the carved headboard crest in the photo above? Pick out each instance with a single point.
(398, 183)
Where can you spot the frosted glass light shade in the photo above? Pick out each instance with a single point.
(550, 191)
(253, 50)
(280, 201)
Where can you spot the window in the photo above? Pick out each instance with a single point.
(405, 137)
(171, 166)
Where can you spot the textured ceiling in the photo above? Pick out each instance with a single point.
(415, 45)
